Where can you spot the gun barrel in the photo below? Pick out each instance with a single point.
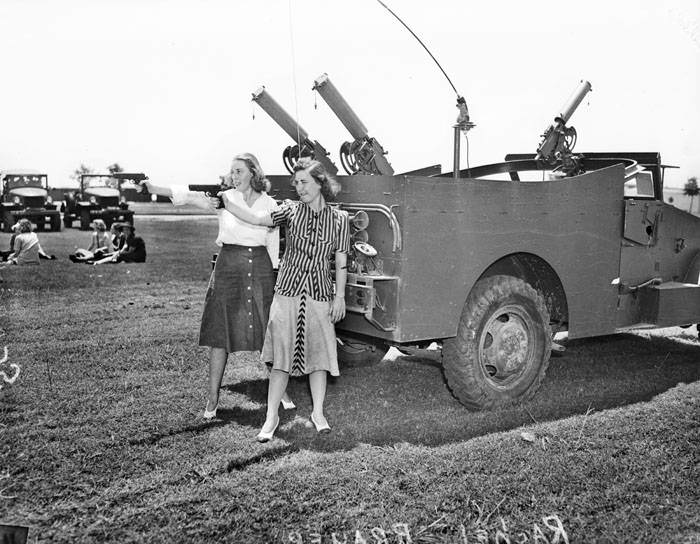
(279, 115)
(570, 107)
(210, 188)
(340, 107)
(135, 176)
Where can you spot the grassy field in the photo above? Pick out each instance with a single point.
(101, 439)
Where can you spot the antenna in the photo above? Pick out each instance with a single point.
(463, 123)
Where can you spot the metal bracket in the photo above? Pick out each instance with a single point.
(386, 212)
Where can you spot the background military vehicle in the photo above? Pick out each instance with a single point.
(25, 195)
(100, 196)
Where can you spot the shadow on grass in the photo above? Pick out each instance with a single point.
(269, 454)
(224, 416)
(406, 400)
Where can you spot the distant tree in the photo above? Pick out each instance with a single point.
(82, 170)
(692, 190)
(115, 168)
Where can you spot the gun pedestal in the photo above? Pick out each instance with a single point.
(463, 125)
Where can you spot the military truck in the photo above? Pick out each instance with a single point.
(100, 196)
(25, 195)
(492, 261)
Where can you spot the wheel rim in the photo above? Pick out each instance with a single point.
(506, 346)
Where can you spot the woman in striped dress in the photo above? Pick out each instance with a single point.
(300, 337)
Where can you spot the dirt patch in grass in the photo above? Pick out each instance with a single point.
(101, 440)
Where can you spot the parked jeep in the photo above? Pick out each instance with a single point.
(99, 196)
(25, 195)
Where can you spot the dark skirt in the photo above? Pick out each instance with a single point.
(237, 304)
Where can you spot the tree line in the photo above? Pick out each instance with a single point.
(83, 169)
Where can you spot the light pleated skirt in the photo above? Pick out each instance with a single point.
(237, 303)
(300, 337)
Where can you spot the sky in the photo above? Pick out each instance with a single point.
(164, 86)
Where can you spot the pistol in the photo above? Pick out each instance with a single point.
(211, 191)
(137, 177)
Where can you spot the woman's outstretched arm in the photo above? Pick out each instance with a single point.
(180, 196)
(246, 214)
(160, 190)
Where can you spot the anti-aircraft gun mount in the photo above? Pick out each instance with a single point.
(305, 146)
(364, 154)
(492, 261)
(558, 140)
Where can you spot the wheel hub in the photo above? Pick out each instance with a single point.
(505, 346)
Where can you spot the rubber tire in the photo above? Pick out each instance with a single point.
(355, 352)
(85, 220)
(67, 216)
(56, 223)
(466, 377)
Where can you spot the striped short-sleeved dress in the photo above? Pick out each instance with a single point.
(300, 336)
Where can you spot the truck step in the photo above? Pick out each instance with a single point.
(671, 303)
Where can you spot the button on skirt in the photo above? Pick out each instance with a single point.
(237, 303)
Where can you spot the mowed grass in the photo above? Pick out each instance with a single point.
(101, 439)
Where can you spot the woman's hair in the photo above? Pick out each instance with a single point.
(258, 182)
(100, 224)
(329, 186)
(24, 225)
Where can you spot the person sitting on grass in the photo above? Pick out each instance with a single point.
(4, 255)
(116, 242)
(133, 249)
(27, 249)
(100, 241)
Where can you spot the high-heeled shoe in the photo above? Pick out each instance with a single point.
(267, 436)
(210, 414)
(323, 429)
(288, 404)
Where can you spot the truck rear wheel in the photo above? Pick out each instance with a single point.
(503, 344)
(354, 352)
(56, 222)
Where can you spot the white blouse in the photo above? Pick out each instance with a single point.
(231, 229)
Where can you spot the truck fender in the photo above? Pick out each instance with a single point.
(538, 273)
